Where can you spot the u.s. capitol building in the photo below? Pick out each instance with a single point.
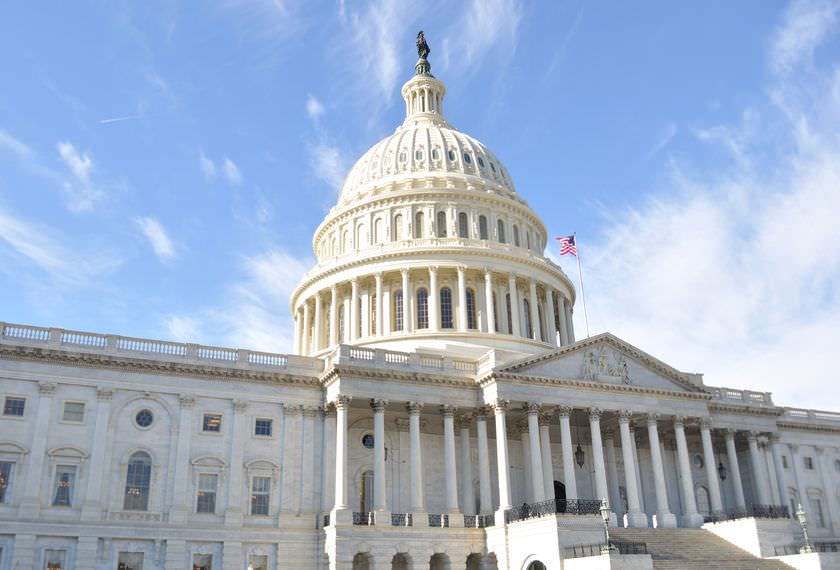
(439, 412)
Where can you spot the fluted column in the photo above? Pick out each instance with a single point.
(781, 478)
(448, 413)
(298, 331)
(612, 473)
(467, 492)
(664, 517)
(316, 335)
(489, 310)
(561, 307)
(637, 465)
(354, 310)
(537, 482)
(796, 465)
(635, 516)
(333, 316)
(514, 305)
(601, 489)
(328, 485)
(306, 347)
(406, 301)
(239, 428)
(418, 505)
(31, 503)
(570, 327)
(711, 467)
(568, 453)
(462, 298)
(534, 333)
(485, 493)
(551, 324)
(91, 510)
(691, 518)
(500, 409)
(380, 492)
(434, 301)
(828, 500)
(734, 470)
(342, 403)
(380, 331)
(762, 488)
(545, 452)
(525, 446)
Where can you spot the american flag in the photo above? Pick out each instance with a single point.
(567, 245)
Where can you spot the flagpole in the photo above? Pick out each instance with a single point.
(582, 292)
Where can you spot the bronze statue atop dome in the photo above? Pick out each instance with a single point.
(422, 47)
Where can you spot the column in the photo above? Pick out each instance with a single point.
(500, 409)
(406, 301)
(568, 453)
(239, 433)
(635, 516)
(485, 496)
(551, 324)
(306, 347)
(537, 482)
(92, 508)
(561, 307)
(342, 403)
(380, 500)
(570, 327)
(762, 489)
(514, 305)
(525, 446)
(467, 491)
(638, 469)
(181, 496)
(545, 452)
(797, 475)
(298, 332)
(601, 489)
(734, 470)
(345, 312)
(612, 473)
(378, 305)
(828, 499)
(449, 460)
(691, 518)
(434, 302)
(709, 460)
(364, 312)
(354, 310)
(31, 503)
(415, 464)
(535, 313)
(764, 447)
(328, 486)
(316, 335)
(462, 298)
(489, 310)
(781, 479)
(664, 517)
(333, 316)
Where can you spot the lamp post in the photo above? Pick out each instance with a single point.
(800, 516)
(605, 516)
(721, 471)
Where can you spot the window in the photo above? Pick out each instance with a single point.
(698, 461)
(482, 227)
(14, 406)
(202, 562)
(435, 154)
(463, 225)
(509, 318)
(441, 224)
(403, 156)
(372, 314)
(471, 321)
(206, 493)
(257, 562)
(397, 230)
(73, 412)
(816, 512)
(446, 308)
(212, 423)
(130, 561)
(55, 559)
(480, 161)
(368, 441)
(809, 462)
(398, 310)
(7, 471)
(65, 482)
(422, 309)
(377, 231)
(516, 235)
(526, 308)
(418, 154)
(467, 158)
(541, 317)
(366, 492)
(260, 493)
(137, 480)
(500, 230)
(418, 225)
(528, 239)
(144, 418)
(836, 466)
(785, 463)
(263, 427)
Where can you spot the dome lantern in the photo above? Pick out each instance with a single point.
(423, 93)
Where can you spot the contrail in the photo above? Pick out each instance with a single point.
(118, 119)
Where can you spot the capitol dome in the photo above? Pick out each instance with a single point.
(431, 247)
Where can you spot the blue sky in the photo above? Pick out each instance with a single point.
(164, 164)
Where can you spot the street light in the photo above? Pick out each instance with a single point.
(721, 471)
(579, 456)
(607, 548)
(800, 516)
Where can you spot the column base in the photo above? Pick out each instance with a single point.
(29, 508)
(341, 517)
(456, 519)
(91, 512)
(420, 519)
(693, 520)
(499, 516)
(382, 518)
(637, 520)
(233, 517)
(178, 515)
(665, 520)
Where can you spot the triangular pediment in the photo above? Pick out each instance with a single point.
(605, 359)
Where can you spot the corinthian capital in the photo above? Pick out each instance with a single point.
(342, 402)
(500, 406)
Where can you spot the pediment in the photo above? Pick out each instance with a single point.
(605, 359)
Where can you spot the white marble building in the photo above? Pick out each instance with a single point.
(438, 413)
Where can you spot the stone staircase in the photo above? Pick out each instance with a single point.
(690, 548)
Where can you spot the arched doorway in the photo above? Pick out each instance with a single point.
(401, 561)
(560, 496)
(474, 562)
(703, 502)
(536, 565)
(362, 561)
(439, 562)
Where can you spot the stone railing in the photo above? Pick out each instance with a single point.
(402, 519)
(748, 397)
(408, 361)
(439, 521)
(159, 350)
(363, 519)
(811, 415)
(478, 521)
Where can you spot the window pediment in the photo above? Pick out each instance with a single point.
(68, 452)
(12, 448)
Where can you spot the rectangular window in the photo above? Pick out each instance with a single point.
(65, 482)
(809, 462)
(398, 311)
(260, 492)
(14, 406)
(206, 496)
(7, 471)
(202, 562)
(74, 412)
(212, 423)
(55, 559)
(130, 561)
(263, 427)
(257, 562)
(785, 462)
(817, 512)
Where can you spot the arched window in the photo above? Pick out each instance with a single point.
(703, 502)
(526, 308)
(528, 239)
(542, 322)
(137, 481)
(471, 309)
(516, 235)
(446, 308)
(345, 242)
(509, 317)
(372, 326)
(422, 309)
(366, 492)
(398, 310)
(495, 312)
(463, 225)
(418, 225)
(361, 236)
(500, 229)
(482, 227)
(441, 224)
(397, 230)
(377, 230)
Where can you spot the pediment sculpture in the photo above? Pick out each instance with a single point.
(604, 365)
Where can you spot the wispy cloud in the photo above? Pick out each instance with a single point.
(329, 163)
(81, 193)
(486, 27)
(15, 146)
(208, 167)
(231, 172)
(157, 236)
(665, 136)
(118, 119)
(314, 108)
(805, 25)
(183, 328)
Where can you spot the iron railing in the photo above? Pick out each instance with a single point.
(788, 549)
(750, 511)
(363, 519)
(617, 547)
(326, 520)
(402, 519)
(479, 521)
(439, 521)
(552, 507)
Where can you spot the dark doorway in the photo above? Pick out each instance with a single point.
(560, 496)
